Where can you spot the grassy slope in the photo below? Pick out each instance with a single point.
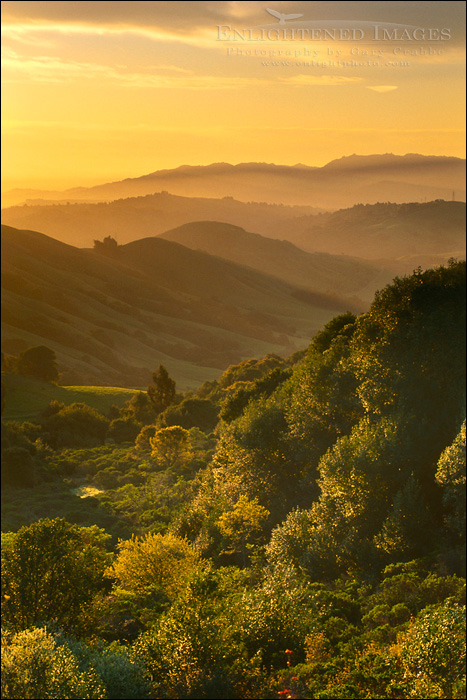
(26, 397)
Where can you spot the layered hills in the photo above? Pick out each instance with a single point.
(138, 217)
(386, 230)
(341, 183)
(113, 320)
(331, 274)
(383, 230)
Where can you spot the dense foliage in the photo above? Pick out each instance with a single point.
(294, 529)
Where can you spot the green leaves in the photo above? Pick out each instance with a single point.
(35, 666)
(40, 362)
(51, 569)
(154, 562)
(171, 447)
(242, 523)
(162, 392)
(450, 475)
(433, 651)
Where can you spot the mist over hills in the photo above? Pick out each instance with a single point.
(342, 275)
(376, 232)
(341, 183)
(138, 217)
(113, 320)
(190, 285)
(386, 230)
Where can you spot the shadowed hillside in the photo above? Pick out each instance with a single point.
(319, 271)
(113, 320)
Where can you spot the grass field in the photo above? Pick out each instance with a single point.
(26, 397)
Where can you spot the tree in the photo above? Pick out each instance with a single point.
(140, 408)
(451, 476)
(108, 246)
(340, 326)
(409, 524)
(39, 362)
(432, 652)
(50, 570)
(409, 351)
(243, 392)
(287, 548)
(155, 563)
(162, 392)
(249, 370)
(77, 425)
(35, 665)
(192, 413)
(240, 524)
(171, 447)
(142, 442)
(123, 430)
(193, 651)
(359, 478)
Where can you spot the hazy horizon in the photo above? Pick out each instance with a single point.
(97, 92)
(72, 184)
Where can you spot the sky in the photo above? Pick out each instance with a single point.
(100, 91)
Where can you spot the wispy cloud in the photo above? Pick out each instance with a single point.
(40, 34)
(320, 80)
(51, 69)
(382, 88)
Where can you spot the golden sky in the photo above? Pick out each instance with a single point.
(100, 91)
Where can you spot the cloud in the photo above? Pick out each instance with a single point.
(317, 80)
(191, 18)
(382, 88)
(51, 69)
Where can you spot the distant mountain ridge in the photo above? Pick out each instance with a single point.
(323, 187)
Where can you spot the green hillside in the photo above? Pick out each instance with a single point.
(26, 397)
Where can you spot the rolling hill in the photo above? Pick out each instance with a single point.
(386, 231)
(138, 217)
(320, 272)
(372, 231)
(341, 183)
(112, 321)
(28, 396)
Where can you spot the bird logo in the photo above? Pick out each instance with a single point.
(281, 17)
